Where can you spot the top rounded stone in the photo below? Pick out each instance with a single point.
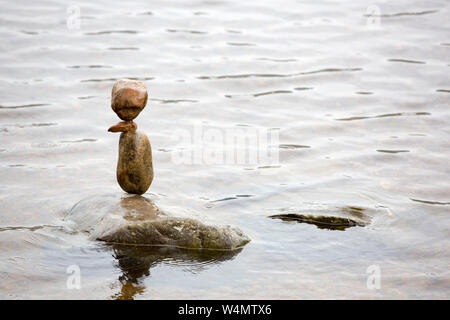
(128, 98)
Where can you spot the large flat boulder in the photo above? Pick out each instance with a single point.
(126, 219)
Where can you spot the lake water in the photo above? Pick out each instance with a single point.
(356, 93)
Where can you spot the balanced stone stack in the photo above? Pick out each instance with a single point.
(136, 220)
(134, 167)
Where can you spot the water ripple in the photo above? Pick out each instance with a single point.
(33, 33)
(98, 33)
(407, 61)
(293, 146)
(34, 228)
(77, 141)
(94, 66)
(271, 92)
(186, 31)
(274, 75)
(25, 106)
(115, 79)
(233, 197)
(44, 124)
(123, 48)
(276, 60)
(431, 202)
(241, 44)
(392, 151)
(86, 97)
(174, 100)
(400, 114)
(401, 14)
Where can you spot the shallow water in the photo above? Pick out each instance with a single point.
(360, 98)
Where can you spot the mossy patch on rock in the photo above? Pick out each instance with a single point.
(178, 232)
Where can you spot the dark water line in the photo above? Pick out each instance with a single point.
(431, 202)
(269, 75)
(271, 92)
(401, 14)
(407, 61)
(174, 100)
(123, 48)
(392, 151)
(241, 44)
(186, 31)
(33, 228)
(388, 115)
(293, 146)
(81, 140)
(25, 106)
(111, 32)
(94, 66)
(115, 79)
(276, 60)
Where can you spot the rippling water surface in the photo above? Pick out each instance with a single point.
(360, 98)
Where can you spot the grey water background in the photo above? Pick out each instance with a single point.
(359, 92)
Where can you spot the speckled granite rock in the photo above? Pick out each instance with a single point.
(137, 220)
(134, 167)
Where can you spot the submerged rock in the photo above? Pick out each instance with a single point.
(134, 167)
(321, 222)
(330, 222)
(137, 220)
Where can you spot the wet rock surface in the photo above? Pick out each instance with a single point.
(134, 167)
(137, 220)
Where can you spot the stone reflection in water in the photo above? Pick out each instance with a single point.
(142, 236)
(135, 263)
